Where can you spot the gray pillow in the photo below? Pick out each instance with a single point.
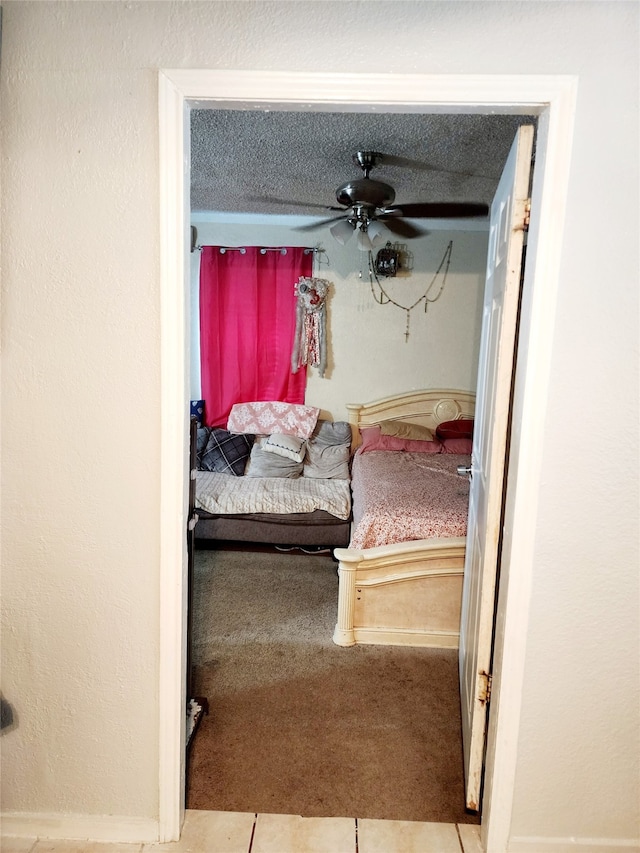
(327, 462)
(328, 451)
(265, 464)
(331, 433)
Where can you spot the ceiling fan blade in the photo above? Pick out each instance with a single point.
(287, 202)
(320, 223)
(420, 166)
(438, 210)
(407, 163)
(401, 227)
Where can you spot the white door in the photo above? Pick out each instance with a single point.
(493, 396)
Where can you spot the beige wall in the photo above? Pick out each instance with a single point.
(81, 348)
(368, 356)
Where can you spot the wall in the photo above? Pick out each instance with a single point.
(368, 356)
(80, 392)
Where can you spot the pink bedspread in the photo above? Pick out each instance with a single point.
(398, 497)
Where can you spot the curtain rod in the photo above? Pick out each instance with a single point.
(263, 249)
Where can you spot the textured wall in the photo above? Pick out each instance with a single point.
(80, 370)
(81, 347)
(368, 356)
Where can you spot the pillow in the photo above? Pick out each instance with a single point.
(226, 452)
(402, 429)
(264, 464)
(460, 428)
(372, 439)
(289, 446)
(328, 451)
(202, 437)
(331, 433)
(196, 408)
(327, 462)
(457, 445)
(270, 417)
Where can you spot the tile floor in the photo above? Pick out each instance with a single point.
(236, 832)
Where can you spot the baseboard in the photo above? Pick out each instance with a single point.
(113, 828)
(407, 637)
(536, 844)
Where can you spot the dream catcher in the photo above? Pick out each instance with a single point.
(310, 342)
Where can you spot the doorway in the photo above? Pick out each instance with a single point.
(552, 99)
(435, 792)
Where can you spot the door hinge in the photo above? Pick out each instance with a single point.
(524, 215)
(484, 687)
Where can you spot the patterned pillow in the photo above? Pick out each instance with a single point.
(197, 410)
(226, 452)
(202, 439)
(267, 418)
(289, 446)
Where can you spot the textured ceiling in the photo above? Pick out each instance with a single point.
(241, 158)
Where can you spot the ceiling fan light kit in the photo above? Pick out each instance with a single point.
(370, 236)
(364, 242)
(341, 231)
(376, 232)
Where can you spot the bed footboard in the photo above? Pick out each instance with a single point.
(407, 594)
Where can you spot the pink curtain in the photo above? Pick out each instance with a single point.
(247, 326)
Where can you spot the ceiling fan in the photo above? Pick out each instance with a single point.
(367, 208)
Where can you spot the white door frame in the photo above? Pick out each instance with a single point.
(552, 98)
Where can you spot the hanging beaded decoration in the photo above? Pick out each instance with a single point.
(310, 342)
(383, 298)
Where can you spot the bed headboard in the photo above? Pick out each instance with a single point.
(429, 408)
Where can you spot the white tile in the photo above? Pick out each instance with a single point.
(17, 845)
(294, 834)
(49, 845)
(470, 837)
(210, 832)
(403, 836)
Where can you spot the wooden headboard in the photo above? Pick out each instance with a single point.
(428, 407)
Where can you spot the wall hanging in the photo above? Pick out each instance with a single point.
(310, 342)
(391, 259)
(382, 297)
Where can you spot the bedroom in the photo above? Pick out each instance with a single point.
(441, 347)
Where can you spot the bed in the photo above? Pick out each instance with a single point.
(400, 579)
(254, 484)
(312, 527)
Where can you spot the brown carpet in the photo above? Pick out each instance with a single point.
(298, 725)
